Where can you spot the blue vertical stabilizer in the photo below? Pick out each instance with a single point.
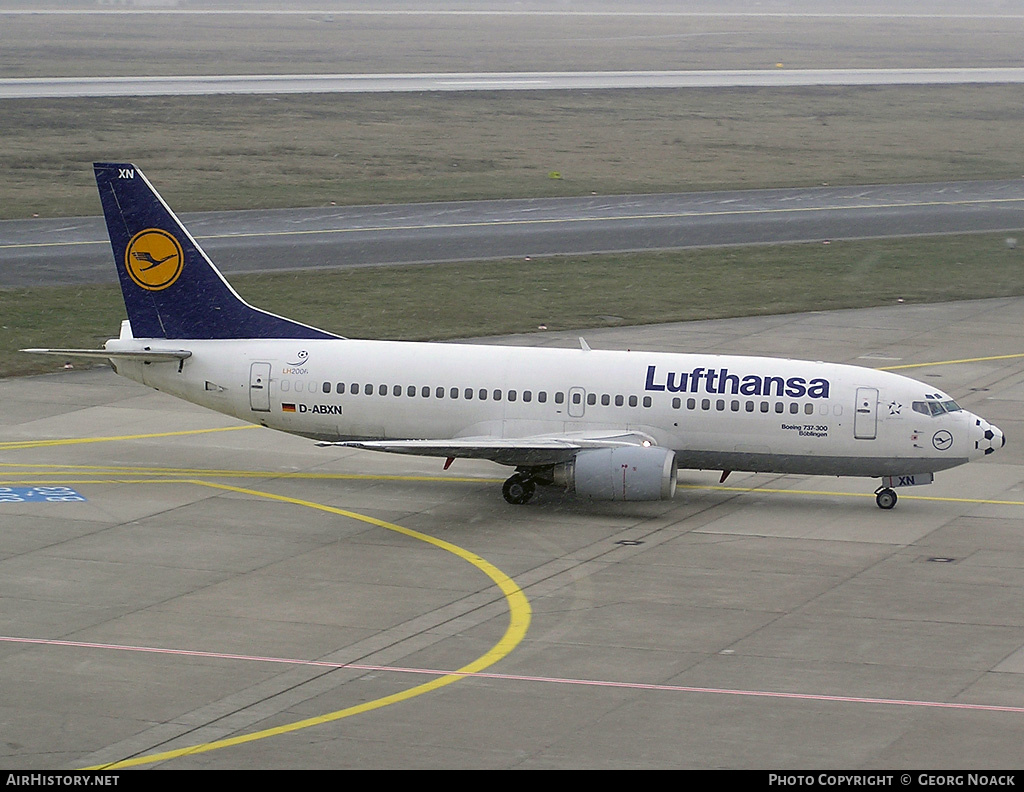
(171, 288)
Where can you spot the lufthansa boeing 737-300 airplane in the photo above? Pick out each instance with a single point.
(607, 425)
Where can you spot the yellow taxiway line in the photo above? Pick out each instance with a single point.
(518, 605)
(950, 362)
(827, 493)
(519, 622)
(12, 445)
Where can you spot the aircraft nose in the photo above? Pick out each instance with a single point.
(987, 437)
(998, 438)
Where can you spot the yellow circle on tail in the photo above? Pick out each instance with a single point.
(154, 259)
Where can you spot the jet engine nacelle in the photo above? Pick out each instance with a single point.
(629, 473)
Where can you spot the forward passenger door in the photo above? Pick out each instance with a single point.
(865, 418)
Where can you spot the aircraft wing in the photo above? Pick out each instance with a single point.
(144, 355)
(525, 451)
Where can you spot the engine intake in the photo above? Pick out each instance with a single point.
(629, 473)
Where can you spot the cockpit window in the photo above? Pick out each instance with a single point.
(936, 407)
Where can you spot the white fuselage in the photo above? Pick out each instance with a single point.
(716, 412)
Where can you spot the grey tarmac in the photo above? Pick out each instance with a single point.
(220, 581)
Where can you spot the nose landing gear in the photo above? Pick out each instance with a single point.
(885, 497)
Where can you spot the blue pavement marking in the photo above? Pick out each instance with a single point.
(39, 495)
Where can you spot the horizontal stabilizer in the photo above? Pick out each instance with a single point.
(143, 355)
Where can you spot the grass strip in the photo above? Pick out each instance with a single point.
(465, 300)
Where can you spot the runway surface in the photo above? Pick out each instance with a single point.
(207, 595)
(184, 85)
(75, 250)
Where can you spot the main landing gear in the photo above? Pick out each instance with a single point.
(518, 488)
(885, 497)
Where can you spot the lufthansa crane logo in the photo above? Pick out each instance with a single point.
(154, 259)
